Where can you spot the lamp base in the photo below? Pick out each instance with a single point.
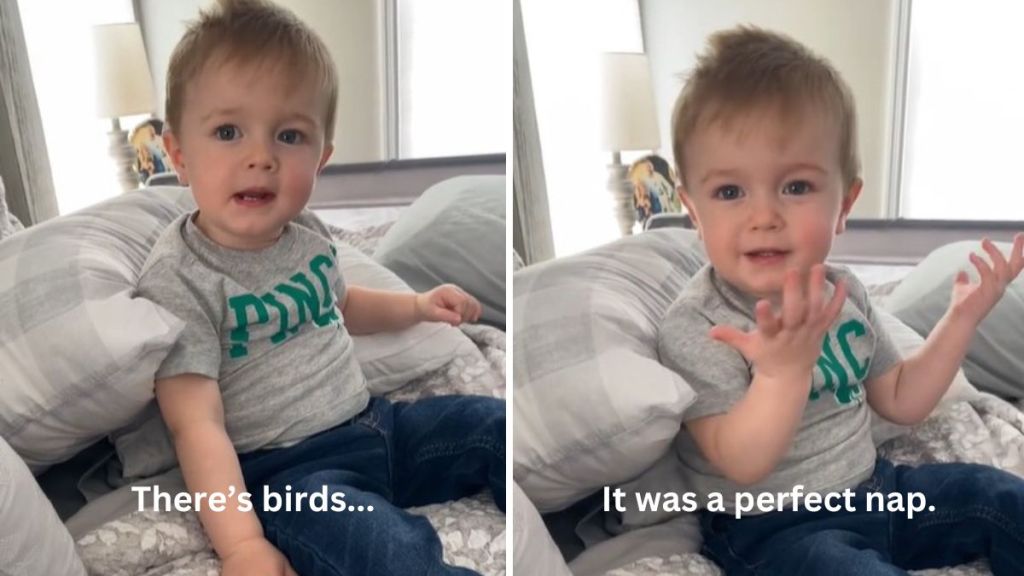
(124, 156)
(621, 190)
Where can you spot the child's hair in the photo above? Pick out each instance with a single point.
(250, 32)
(748, 67)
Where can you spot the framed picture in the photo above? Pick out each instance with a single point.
(654, 191)
(150, 156)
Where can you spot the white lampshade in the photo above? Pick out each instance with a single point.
(630, 119)
(124, 85)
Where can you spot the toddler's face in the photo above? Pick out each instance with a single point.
(250, 145)
(766, 196)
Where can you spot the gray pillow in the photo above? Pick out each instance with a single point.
(454, 232)
(77, 350)
(32, 539)
(995, 359)
(592, 404)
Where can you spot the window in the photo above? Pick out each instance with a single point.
(453, 77)
(63, 74)
(963, 113)
(565, 41)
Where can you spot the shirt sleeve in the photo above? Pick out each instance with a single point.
(885, 355)
(197, 349)
(718, 374)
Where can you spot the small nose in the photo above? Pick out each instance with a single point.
(765, 213)
(262, 157)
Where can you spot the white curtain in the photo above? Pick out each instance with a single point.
(24, 164)
(531, 220)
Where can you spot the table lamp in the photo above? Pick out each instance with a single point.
(630, 123)
(124, 87)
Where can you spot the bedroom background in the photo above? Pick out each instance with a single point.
(415, 196)
(406, 95)
(938, 115)
(931, 81)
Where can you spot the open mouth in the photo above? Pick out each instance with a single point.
(253, 197)
(766, 256)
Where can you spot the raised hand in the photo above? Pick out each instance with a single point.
(975, 300)
(787, 344)
(447, 303)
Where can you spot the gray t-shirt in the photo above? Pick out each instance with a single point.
(265, 325)
(832, 449)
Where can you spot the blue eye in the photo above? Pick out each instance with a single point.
(728, 192)
(226, 132)
(290, 137)
(797, 188)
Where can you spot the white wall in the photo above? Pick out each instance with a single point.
(350, 28)
(857, 37)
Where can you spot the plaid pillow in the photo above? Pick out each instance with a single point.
(77, 351)
(592, 404)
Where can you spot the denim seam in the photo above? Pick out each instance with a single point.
(984, 512)
(449, 448)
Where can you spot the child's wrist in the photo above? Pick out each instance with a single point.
(960, 319)
(418, 306)
(787, 376)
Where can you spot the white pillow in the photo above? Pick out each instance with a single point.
(454, 232)
(533, 550)
(592, 404)
(995, 357)
(77, 352)
(391, 360)
(32, 539)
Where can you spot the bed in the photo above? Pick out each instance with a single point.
(110, 534)
(969, 425)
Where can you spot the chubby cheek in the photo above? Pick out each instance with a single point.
(816, 235)
(720, 244)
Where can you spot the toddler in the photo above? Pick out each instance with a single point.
(262, 391)
(786, 354)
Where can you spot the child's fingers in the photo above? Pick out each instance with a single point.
(999, 264)
(794, 303)
(986, 273)
(816, 290)
(835, 305)
(962, 277)
(767, 321)
(732, 336)
(1017, 255)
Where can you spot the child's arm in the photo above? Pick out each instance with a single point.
(368, 311)
(747, 442)
(191, 407)
(908, 393)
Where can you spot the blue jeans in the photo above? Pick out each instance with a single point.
(391, 456)
(979, 512)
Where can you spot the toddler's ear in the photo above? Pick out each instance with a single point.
(328, 150)
(174, 153)
(690, 210)
(848, 200)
